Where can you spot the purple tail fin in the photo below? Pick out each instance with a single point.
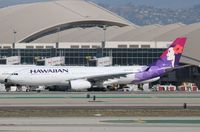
(168, 60)
(171, 56)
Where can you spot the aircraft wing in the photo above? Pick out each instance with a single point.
(104, 77)
(174, 68)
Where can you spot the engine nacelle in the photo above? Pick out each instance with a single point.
(80, 84)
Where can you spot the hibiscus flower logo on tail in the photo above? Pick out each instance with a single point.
(178, 49)
(173, 52)
(171, 56)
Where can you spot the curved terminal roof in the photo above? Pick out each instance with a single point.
(152, 35)
(92, 34)
(181, 31)
(191, 52)
(133, 34)
(96, 34)
(32, 21)
(127, 33)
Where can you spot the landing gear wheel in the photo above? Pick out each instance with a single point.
(7, 87)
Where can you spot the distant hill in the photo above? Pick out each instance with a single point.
(145, 15)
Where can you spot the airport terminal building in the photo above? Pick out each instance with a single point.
(78, 30)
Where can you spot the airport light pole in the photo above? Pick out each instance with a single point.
(104, 39)
(14, 38)
(58, 34)
(58, 38)
(104, 34)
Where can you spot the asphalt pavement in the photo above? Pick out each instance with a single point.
(99, 124)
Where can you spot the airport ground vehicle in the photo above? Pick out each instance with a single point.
(159, 87)
(186, 86)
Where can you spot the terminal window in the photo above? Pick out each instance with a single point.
(95, 46)
(145, 46)
(7, 47)
(74, 46)
(49, 47)
(133, 46)
(39, 47)
(122, 46)
(85, 46)
(29, 47)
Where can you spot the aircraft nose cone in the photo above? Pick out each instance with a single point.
(11, 79)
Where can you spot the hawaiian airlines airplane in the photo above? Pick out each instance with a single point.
(80, 78)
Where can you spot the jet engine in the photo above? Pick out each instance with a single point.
(80, 84)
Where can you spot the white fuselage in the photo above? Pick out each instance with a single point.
(61, 75)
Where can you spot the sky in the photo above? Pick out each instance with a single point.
(174, 4)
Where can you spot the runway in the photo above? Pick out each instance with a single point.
(102, 100)
(109, 112)
(99, 124)
(77, 104)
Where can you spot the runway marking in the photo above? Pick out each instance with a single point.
(114, 96)
(124, 121)
(80, 97)
(97, 97)
(117, 97)
(32, 97)
(153, 121)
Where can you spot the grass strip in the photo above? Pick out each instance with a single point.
(90, 112)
